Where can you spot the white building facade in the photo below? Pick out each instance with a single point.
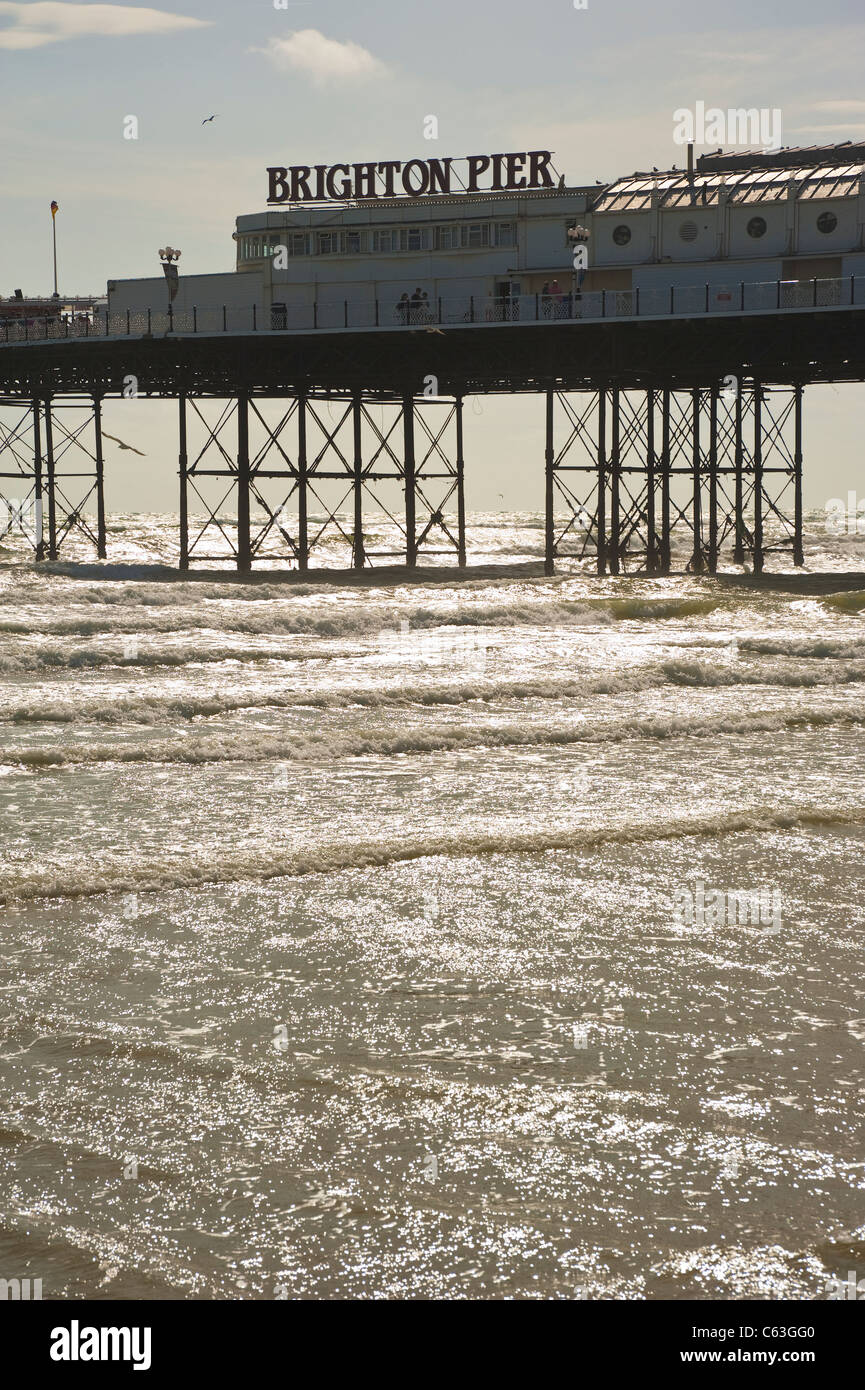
(788, 217)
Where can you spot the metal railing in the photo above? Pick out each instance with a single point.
(769, 296)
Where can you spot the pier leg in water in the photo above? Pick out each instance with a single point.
(614, 549)
(358, 554)
(549, 517)
(410, 482)
(244, 550)
(713, 480)
(183, 465)
(461, 487)
(651, 460)
(758, 478)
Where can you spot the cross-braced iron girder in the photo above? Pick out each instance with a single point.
(303, 479)
(629, 473)
(52, 473)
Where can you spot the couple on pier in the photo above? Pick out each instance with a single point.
(415, 309)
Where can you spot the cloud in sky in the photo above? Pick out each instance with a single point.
(324, 60)
(853, 105)
(51, 21)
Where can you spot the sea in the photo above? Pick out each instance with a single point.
(461, 936)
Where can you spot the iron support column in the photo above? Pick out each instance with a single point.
(665, 481)
(183, 465)
(739, 461)
(652, 539)
(550, 456)
(602, 480)
(697, 501)
(758, 479)
(101, 533)
(461, 487)
(615, 509)
(798, 551)
(713, 481)
(615, 546)
(37, 479)
(244, 549)
(358, 556)
(52, 492)
(302, 489)
(410, 499)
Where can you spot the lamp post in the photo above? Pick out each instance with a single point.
(168, 256)
(55, 206)
(578, 236)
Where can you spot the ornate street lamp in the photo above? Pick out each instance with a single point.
(578, 236)
(168, 257)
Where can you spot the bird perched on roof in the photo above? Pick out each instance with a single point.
(209, 118)
(121, 445)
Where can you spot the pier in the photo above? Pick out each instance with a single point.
(675, 413)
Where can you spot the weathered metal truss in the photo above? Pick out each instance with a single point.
(628, 471)
(52, 472)
(310, 472)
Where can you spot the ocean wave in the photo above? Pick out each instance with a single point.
(838, 647)
(156, 708)
(194, 866)
(344, 619)
(54, 658)
(851, 602)
(358, 619)
(309, 746)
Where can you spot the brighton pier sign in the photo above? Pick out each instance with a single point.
(419, 178)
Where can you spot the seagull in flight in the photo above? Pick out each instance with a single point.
(209, 118)
(121, 445)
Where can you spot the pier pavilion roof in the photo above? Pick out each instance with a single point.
(831, 171)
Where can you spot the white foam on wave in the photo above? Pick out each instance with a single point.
(161, 707)
(304, 745)
(196, 866)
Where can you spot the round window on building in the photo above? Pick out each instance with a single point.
(827, 222)
(756, 227)
(621, 235)
(689, 231)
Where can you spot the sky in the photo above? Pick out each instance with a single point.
(342, 80)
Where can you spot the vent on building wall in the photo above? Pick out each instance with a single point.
(689, 231)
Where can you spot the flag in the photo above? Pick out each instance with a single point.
(54, 207)
(172, 279)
